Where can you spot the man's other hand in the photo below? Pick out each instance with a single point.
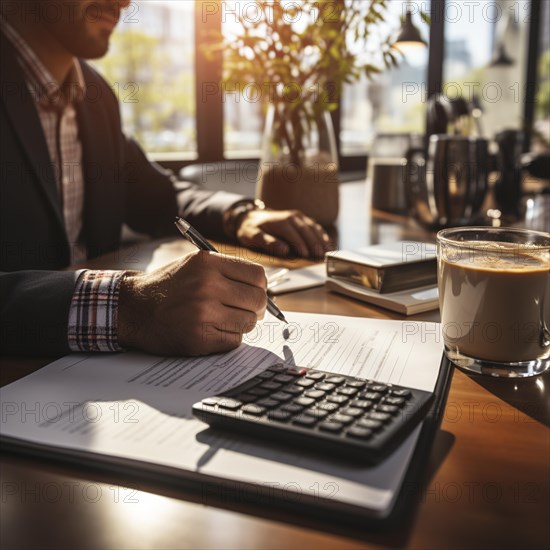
(277, 232)
(201, 304)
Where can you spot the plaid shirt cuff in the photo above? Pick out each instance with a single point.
(93, 315)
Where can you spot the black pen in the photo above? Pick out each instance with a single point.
(193, 236)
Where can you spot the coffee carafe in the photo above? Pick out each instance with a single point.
(447, 178)
(448, 187)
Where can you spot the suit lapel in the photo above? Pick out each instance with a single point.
(21, 110)
(100, 169)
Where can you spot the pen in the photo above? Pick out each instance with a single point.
(193, 236)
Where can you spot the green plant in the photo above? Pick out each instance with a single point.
(299, 55)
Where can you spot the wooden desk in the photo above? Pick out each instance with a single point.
(487, 481)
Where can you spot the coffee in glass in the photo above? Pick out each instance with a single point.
(494, 294)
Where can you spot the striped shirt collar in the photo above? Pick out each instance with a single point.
(43, 87)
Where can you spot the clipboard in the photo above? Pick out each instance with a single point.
(244, 497)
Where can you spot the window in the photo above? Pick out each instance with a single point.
(243, 125)
(243, 113)
(542, 97)
(485, 58)
(393, 101)
(155, 66)
(150, 67)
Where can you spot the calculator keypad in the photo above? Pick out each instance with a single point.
(319, 408)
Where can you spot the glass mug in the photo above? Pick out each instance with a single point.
(494, 297)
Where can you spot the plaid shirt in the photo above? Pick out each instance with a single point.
(92, 323)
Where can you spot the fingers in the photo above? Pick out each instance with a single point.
(246, 298)
(222, 332)
(217, 341)
(278, 231)
(237, 269)
(235, 283)
(318, 242)
(293, 233)
(265, 241)
(202, 304)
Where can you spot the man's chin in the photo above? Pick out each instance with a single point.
(93, 48)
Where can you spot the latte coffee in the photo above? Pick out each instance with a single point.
(495, 303)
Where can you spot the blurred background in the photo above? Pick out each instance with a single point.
(158, 70)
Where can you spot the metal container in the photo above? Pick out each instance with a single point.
(449, 187)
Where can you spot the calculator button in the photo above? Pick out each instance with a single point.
(280, 416)
(292, 408)
(304, 401)
(283, 378)
(338, 380)
(296, 372)
(370, 424)
(342, 418)
(350, 392)
(277, 367)
(315, 394)
(268, 403)
(211, 401)
(370, 395)
(326, 406)
(294, 390)
(265, 375)
(258, 391)
(230, 404)
(359, 433)
(383, 417)
(391, 409)
(400, 393)
(361, 403)
(340, 399)
(359, 384)
(305, 382)
(352, 411)
(253, 409)
(305, 420)
(281, 396)
(317, 412)
(270, 386)
(247, 398)
(394, 401)
(325, 386)
(334, 427)
(378, 388)
(314, 375)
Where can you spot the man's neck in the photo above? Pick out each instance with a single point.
(53, 55)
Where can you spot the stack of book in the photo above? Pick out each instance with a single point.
(401, 276)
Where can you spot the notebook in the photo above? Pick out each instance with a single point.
(388, 267)
(405, 302)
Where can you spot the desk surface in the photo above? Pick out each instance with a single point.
(487, 480)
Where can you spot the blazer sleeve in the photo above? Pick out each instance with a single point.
(154, 196)
(34, 311)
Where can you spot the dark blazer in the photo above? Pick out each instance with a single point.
(121, 186)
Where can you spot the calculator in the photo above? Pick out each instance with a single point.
(309, 408)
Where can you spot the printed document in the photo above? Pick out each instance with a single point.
(133, 406)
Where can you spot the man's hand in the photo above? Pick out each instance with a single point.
(201, 304)
(277, 232)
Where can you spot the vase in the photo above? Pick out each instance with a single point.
(299, 164)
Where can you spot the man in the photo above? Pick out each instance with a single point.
(70, 179)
